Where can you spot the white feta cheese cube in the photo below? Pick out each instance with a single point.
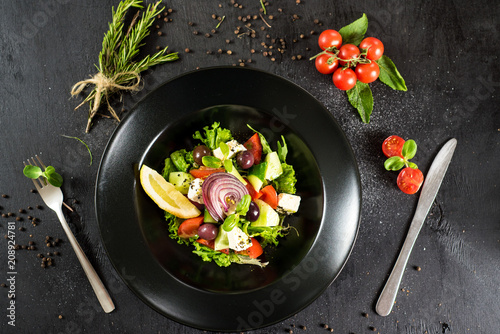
(234, 148)
(218, 153)
(238, 240)
(194, 192)
(288, 204)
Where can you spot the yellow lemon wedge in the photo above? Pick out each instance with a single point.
(165, 195)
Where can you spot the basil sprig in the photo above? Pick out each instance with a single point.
(241, 210)
(34, 172)
(408, 152)
(360, 96)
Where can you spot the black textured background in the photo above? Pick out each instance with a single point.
(446, 51)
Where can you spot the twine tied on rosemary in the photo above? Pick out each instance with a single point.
(117, 71)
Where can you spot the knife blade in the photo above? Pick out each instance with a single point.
(427, 195)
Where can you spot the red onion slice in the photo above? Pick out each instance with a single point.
(220, 191)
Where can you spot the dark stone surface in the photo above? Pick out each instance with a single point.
(446, 51)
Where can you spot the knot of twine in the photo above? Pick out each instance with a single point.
(104, 86)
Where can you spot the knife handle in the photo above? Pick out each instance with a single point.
(388, 296)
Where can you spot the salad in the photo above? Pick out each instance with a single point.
(226, 199)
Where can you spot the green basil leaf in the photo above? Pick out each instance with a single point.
(228, 165)
(412, 165)
(394, 163)
(361, 98)
(54, 178)
(282, 150)
(354, 32)
(243, 205)
(230, 222)
(389, 74)
(224, 149)
(32, 172)
(409, 149)
(212, 162)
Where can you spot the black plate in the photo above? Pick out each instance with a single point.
(177, 283)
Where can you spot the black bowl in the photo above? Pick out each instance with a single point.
(168, 276)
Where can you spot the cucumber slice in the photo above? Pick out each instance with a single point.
(181, 181)
(222, 240)
(274, 168)
(255, 182)
(228, 164)
(267, 216)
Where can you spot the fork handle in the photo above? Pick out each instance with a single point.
(95, 281)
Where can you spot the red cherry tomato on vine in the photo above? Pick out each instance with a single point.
(410, 180)
(374, 46)
(322, 65)
(393, 146)
(348, 52)
(344, 78)
(367, 72)
(329, 38)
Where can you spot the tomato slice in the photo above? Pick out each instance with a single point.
(204, 171)
(410, 180)
(269, 196)
(253, 251)
(251, 190)
(254, 146)
(210, 244)
(393, 146)
(189, 227)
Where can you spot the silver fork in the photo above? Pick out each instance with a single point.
(53, 198)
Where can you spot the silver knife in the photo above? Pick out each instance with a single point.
(427, 195)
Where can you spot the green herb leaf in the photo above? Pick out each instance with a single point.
(230, 222)
(412, 165)
(361, 98)
(224, 149)
(211, 162)
(243, 205)
(409, 149)
(54, 178)
(394, 163)
(282, 150)
(228, 165)
(389, 74)
(265, 145)
(354, 32)
(81, 141)
(32, 172)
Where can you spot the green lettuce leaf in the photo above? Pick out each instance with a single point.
(285, 183)
(169, 168)
(182, 159)
(213, 136)
(269, 234)
(207, 254)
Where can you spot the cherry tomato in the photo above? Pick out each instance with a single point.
(393, 146)
(329, 38)
(189, 227)
(374, 47)
(255, 147)
(253, 251)
(367, 72)
(348, 52)
(322, 63)
(269, 196)
(344, 78)
(410, 180)
(204, 171)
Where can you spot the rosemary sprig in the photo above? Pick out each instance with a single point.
(118, 70)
